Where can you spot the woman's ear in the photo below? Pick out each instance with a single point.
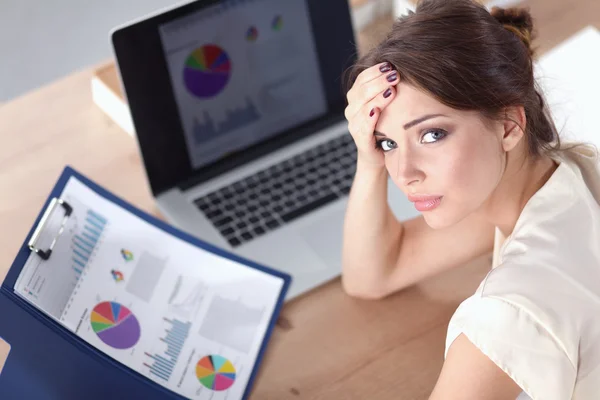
(514, 126)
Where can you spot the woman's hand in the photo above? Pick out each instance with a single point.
(372, 91)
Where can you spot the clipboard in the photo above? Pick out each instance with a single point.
(48, 361)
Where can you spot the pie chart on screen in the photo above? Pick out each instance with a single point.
(207, 71)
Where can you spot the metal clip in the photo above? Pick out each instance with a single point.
(45, 254)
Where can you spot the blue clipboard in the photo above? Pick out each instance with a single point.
(47, 361)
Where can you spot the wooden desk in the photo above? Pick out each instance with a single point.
(326, 345)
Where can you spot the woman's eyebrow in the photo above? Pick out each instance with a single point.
(413, 123)
(419, 120)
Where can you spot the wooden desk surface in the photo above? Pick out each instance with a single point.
(326, 345)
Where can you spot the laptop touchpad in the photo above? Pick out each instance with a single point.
(325, 238)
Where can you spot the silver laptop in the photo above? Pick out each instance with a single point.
(238, 112)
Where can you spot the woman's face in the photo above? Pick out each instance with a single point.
(455, 156)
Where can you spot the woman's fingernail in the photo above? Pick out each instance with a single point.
(385, 67)
(387, 93)
(372, 112)
(392, 76)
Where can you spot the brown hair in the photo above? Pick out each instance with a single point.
(469, 58)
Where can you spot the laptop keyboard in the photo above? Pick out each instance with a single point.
(269, 199)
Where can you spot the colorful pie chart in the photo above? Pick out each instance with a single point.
(207, 71)
(215, 372)
(252, 34)
(115, 325)
(277, 23)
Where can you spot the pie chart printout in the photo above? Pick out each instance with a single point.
(115, 325)
(215, 372)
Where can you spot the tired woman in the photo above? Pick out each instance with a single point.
(448, 108)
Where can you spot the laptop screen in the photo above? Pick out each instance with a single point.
(212, 85)
(242, 72)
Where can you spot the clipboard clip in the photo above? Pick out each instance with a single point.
(55, 202)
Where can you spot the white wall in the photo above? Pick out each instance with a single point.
(42, 40)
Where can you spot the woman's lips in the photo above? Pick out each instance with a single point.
(425, 203)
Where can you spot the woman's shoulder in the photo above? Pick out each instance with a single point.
(519, 343)
(526, 306)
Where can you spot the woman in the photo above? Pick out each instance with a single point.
(448, 108)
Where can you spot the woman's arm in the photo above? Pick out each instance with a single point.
(468, 374)
(371, 234)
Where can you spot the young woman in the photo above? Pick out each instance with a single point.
(447, 106)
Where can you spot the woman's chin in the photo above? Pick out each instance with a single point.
(438, 219)
(435, 222)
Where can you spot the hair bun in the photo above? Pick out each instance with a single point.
(517, 20)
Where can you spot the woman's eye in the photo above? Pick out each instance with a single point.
(387, 145)
(435, 135)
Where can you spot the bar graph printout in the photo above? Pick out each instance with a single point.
(183, 317)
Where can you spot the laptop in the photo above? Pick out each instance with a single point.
(238, 109)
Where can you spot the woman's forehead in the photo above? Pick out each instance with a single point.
(410, 104)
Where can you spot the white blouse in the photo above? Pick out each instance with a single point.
(537, 312)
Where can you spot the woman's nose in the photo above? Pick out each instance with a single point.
(403, 167)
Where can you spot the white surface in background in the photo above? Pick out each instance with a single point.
(401, 6)
(569, 77)
(41, 40)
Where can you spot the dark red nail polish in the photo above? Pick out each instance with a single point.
(385, 67)
(392, 77)
(372, 112)
(387, 93)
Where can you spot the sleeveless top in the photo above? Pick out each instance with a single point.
(536, 314)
